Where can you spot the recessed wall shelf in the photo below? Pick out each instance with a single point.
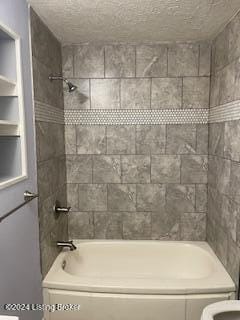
(12, 126)
(7, 87)
(9, 128)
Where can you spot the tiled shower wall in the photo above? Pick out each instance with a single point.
(223, 227)
(137, 181)
(46, 58)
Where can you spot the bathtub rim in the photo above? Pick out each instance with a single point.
(221, 282)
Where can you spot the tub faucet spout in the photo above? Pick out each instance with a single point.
(66, 244)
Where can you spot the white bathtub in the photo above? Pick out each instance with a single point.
(142, 280)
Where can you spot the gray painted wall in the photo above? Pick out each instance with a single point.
(20, 277)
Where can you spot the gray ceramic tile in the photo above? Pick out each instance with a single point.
(238, 231)
(88, 61)
(165, 169)
(202, 139)
(221, 45)
(165, 225)
(59, 231)
(193, 226)
(137, 225)
(194, 169)
(45, 173)
(70, 139)
(216, 138)
(181, 139)
(135, 93)
(47, 220)
(211, 233)
(72, 196)
(45, 46)
(150, 197)
(121, 140)
(180, 198)
(46, 140)
(38, 139)
(233, 261)
(151, 61)
(135, 169)
(232, 140)
(105, 94)
(119, 61)
(221, 245)
(106, 169)
(183, 60)
(79, 168)
(91, 139)
(196, 92)
(201, 197)
(215, 90)
(229, 214)
(219, 174)
(166, 93)
(236, 79)
(78, 99)
(67, 61)
(80, 225)
(150, 139)
(108, 225)
(59, 171)
(121, 197)
(235, 181)
(213, 58)
(214, 205)
(227, 83)
(49, 92)
(92, 197)
(205, 59)
(39, 36)
(51, 168)
(49, 252)
(234, 38)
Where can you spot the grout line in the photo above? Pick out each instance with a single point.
(199, 60)
(135, 50)
(166, 138)
(104, 62)
(92, 166)
(182, 94)
(150, 93)
(135, 78)
(120, 93)
(93, 220)
(90, 93)
(167, 60)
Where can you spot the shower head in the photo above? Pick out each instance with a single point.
(71, 86)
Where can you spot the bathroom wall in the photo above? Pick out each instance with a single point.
(223, 228)
(20, 275)
(51, 172)
(137, 181)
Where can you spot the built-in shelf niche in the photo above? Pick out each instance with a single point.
(12, 128)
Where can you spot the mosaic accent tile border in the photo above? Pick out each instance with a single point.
(136, 117)
(226, 112)
(48, 113)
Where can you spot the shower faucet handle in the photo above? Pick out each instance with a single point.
(59, 209)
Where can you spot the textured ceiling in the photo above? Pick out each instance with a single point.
(74, 21)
